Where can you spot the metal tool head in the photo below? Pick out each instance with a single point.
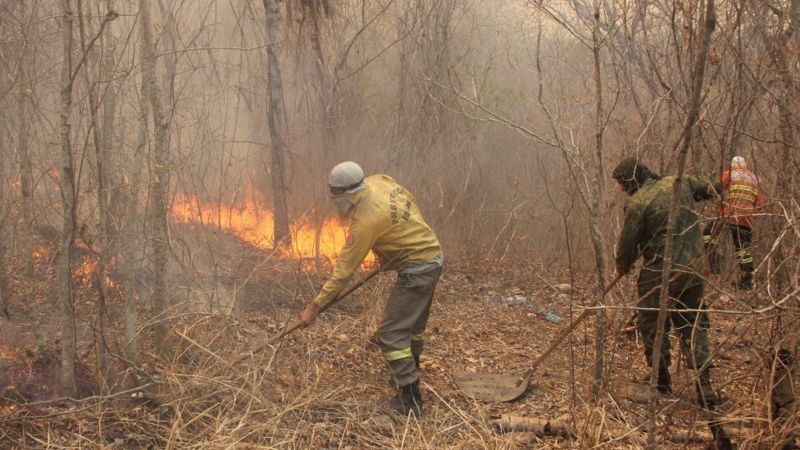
(491, 387)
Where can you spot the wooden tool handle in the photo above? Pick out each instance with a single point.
(566, 332)
(349, 289)
(297, 324)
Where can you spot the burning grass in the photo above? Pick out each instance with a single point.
(253, 222)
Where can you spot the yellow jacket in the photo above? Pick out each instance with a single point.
(386, 220)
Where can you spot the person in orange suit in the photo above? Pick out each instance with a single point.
(742, 197)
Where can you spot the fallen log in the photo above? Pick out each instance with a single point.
(513, 424)
(688, 437)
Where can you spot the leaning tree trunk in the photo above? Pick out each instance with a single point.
(698, 77)
(159, 173)
(69, 212)
(278, 127)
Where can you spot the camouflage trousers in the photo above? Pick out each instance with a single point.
(401, 333)
(687, 317)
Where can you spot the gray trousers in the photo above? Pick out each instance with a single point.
(401, 333)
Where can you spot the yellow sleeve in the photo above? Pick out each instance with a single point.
(359, 242)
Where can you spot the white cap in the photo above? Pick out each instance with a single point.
(345, 175)
(738, 163)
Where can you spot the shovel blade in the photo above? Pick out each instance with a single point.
(491, 387)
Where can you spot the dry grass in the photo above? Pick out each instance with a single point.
(326, 386)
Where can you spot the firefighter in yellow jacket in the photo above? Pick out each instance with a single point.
(384, 218)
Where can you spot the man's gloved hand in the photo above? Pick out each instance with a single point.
(309, 315)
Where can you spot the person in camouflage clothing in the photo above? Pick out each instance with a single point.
(644, 232)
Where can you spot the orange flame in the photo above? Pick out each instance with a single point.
(39, 254)
(254, 223)
(84, 273)
(7, 354)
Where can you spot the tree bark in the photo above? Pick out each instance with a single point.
(325, 95)
(102, 259)
(25, 92)
(113, 193)
(69, 202)
(698, 77)
(541, 427)
(129, 263)
(3, 224)
(170, 59)
(278, 127)
(327, 144)
(782, 396)
(159, 173)
(598, 240)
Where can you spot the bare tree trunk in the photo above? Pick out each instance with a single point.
(327, 137)
(278, 127)
(25, 92)
(598, 199)
(130, 264)
(159, 173)
(3, 234)
(113, 193)
(782, 396)
(795, 26)
(100, 172)
(325, 95)
(69, 210)
(685, 141)
(171, 59)
(399, 138)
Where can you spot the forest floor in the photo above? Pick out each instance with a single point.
(327, 386)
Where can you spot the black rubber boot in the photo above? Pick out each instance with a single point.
(707, 399)
(408, 400)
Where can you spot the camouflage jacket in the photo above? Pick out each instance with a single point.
(645, 228)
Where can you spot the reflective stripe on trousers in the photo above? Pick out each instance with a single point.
(405, 317)
(394, 355)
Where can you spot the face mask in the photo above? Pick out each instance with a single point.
(343, 204)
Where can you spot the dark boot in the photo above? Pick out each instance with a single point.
(417, 345)
(707, 399)
(714, 259)
(664, 381)
(408, 400)
(745, 283)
